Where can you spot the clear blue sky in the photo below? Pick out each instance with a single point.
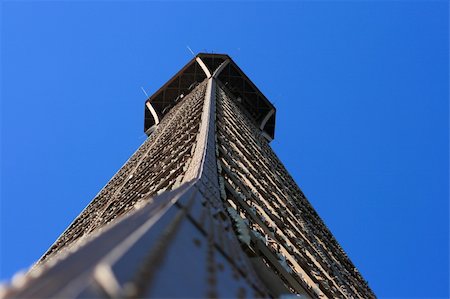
(361, 90)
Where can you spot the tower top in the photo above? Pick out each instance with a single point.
(204, 65)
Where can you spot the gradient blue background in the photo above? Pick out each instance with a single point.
(362, 122)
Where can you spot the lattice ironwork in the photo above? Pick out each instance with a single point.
(263, 196)
(204, 208)
(158, 165)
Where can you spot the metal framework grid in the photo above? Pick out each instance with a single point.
(204, 208)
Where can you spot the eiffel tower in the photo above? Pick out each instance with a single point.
(203, 208)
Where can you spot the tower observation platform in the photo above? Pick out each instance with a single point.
(203, 208)
(198, 69)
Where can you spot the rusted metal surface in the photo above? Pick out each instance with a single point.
(204, 208)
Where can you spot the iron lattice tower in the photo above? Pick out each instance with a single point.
(204, 208)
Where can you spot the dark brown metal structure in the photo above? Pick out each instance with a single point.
(200, 67)
(204, 208)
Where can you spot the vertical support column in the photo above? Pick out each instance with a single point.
(203, 166)
(195, 168)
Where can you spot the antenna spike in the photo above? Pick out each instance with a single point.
(143, 90)
(190, 50)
